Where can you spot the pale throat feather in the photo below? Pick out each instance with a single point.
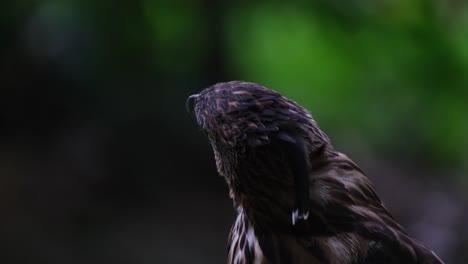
(243, 231)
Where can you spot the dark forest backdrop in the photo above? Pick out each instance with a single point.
(99, 163)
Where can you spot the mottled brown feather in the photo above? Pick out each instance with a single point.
(346, 220)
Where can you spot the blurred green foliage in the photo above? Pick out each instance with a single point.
(98, 154)
(394, 72)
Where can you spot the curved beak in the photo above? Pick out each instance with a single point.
(190, 105)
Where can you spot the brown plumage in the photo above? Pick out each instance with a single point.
(298, 200)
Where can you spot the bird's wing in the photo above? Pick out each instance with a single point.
(345, 201)
(342, 203)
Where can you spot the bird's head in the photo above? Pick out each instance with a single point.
(241, 114)
(238, 116)
(259, 137)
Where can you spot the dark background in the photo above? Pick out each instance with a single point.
(99, 163)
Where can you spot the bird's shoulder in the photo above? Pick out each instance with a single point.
(339, 186)
(353, 216)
